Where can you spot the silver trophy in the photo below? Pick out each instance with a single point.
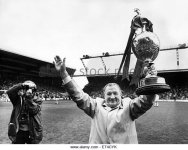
(146, 46)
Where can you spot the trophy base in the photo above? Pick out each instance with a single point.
(152, 85)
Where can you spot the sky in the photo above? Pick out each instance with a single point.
(72, 28)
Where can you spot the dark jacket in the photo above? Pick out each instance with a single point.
(34, 106)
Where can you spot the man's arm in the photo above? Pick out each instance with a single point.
(83, 100)
(144, 102)
(34, 106)
(13, 93)
(141, 104)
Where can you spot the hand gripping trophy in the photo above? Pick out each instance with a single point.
(146, 46)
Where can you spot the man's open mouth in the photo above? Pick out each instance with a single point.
(113, 100)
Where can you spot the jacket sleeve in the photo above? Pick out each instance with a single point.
(34, 106)
(83, 100)
(141, 104)
(13, 93)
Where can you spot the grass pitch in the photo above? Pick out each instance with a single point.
(66, 124)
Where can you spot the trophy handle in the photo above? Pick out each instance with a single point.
(149, 69)
(143, 21)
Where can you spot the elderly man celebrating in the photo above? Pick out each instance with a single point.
(112, 118)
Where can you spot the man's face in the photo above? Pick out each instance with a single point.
(112, 95)
(27, 93)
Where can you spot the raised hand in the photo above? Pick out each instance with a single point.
(60, 66)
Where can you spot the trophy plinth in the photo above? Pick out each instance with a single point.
(152, 85)
(145, 46)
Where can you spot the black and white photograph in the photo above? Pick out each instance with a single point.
(93, 74)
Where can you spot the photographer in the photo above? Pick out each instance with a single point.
(25, 121)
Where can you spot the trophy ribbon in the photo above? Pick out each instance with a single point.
(137, 22)
(145, 46)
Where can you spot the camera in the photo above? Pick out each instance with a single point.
(23, 118)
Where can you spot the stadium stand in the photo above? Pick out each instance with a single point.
(171, 64)
(16, 68)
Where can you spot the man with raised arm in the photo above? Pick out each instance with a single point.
(112, 118)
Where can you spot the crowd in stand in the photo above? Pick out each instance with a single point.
(6, 84)
(48, 93)
(100, 94)
(43, 92)
(176, 93)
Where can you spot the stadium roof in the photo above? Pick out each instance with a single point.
(168, 60)
(16, 63)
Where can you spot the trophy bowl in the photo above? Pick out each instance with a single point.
(146, 47)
